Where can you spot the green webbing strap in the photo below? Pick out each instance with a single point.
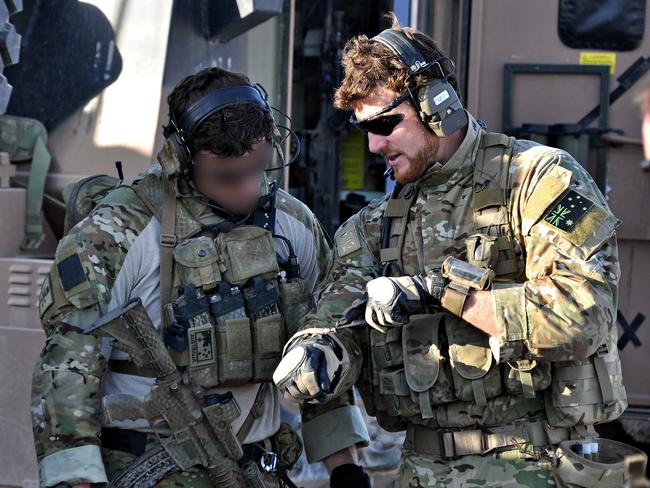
(24, 139)
(41, 160)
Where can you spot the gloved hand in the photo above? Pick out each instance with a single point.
(392, 300)
(311, 369)
(349, 476)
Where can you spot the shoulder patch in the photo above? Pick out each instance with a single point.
(347, 240)
(71, 272)
(581, 221)
(567, 212)
(46, 297)
(547, 190)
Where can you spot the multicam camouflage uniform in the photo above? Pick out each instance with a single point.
(555, 298)
(108, 258)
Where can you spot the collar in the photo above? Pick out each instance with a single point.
(442, 176)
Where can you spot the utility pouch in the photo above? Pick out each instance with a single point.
(245, 252)
(197, 262)
(587, 391)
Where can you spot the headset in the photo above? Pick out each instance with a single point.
(437, 102)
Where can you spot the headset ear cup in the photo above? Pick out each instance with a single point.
(181, 153)
(440, 108)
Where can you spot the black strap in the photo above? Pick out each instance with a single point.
(129, 441)
(404, 49)
(218, 100)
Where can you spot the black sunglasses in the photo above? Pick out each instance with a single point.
(383, 126)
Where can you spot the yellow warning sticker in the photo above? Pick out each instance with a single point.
(607, 59)
(353, 155)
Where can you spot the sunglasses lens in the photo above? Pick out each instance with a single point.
(382, 126)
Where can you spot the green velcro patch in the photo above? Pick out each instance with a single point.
(566, 213)
(347, 240)
(71, 272)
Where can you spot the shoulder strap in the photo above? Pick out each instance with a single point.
(491, 173)
(394, 224)
(24, 139)
(168, 241)
(491, 193)
(150, 190)
(158, 194)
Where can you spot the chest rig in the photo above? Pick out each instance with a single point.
(436, 359)
(403, 382)
(228, 302)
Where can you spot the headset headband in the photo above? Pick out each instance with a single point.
(404, 49)
(215, 101)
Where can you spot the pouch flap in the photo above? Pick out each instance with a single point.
(421, 351)
(196, 252)
(469, 349)
(247, 251)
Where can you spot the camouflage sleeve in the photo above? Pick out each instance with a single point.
(567, 306)
(328, 428)
(66, 406)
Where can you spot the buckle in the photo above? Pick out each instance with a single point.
(269, 461)
(168, 240)
(443, 444)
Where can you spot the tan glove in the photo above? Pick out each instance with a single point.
(311, 369)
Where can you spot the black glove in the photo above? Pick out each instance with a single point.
(349, 476)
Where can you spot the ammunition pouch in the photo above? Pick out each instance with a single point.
(296, 300)
(525, 377)
(437, 359)
(228, 323)
(233, 331)
(476, 377)
(268, 334)
(587, 391)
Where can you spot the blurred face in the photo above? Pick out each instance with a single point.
(234, 183)
(410, 148)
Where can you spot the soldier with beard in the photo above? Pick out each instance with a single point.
(487, 282)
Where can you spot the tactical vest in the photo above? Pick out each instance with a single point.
(227, 305)
(436, 359)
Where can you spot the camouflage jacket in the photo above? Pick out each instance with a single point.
(120, 238)
(560, 306)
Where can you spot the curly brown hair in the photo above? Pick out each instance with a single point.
(368, 64)
(230, 132)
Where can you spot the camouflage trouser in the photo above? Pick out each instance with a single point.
(116, 461)
(508, 468)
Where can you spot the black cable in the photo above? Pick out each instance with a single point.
(288, 243)
(293, 267)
